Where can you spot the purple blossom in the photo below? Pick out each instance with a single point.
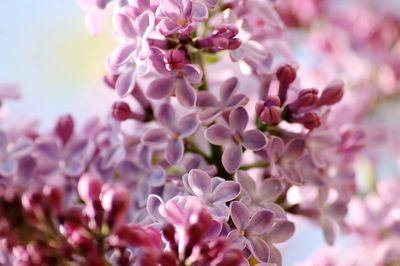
(213, 192)
(179, 16)
(283, 158)
(235, 136)
(11, 150)
(250, 228)
(177, 80)
(261, 194)
(173, 132)
(229, 100)
(129, 60)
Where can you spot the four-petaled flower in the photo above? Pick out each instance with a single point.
(214, 192)
(178, 16)
(236, 137)
(212, 107)
(173, 132)
(179, 80)
(250, 228)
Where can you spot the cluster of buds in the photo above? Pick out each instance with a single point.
(304, 109)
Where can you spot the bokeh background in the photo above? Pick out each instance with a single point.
(46, 50)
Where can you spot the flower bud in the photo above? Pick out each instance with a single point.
(115, 202)
(174, 59)
(310, 120)
(286, 74)
(121, 112)
(332, 94)
(269, 111)
(307, 97)
(55, 196)
(64, 128)
(89, 187)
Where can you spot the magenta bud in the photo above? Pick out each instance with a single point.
(110, 80)
(121, 111)
(286, 74)
(310, 120)
(269, 111)
(55, 196)
(332, 93)
(307, 97)
(101, 3)
(64, 128)
(89, 187)
(174, 59)
(115, 200)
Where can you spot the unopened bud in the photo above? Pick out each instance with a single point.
(174, 59)
(307, 97)
(310, 120)
(286, 74)
(64, 128)
(121, 112)
(89, 187)
(332, 94)
(269, 111)
(115, 200)
(55, 196)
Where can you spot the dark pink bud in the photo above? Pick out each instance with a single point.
(286, 74)
(64, 128)
(310, 120)
(115, 202)
(332, 94)
(269, 111)
(55, 196)
(307, 97)
(174, 59)
(228, 31)
(110, 80)
(231, 258)
(121, 112)
(89, 187)
(271, 115)
(101, 3)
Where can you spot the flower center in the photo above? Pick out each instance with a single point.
(236, 138)
(181, 21)
(175, 135)
(242, 232)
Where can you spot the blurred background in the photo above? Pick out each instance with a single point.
(47, 51)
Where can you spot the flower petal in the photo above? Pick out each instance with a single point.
(145, 23)
(232, 157)
(294, 149)
(270, 189)
(185, 93)
(155, 136)
(253, 140)
(153, 205)
(206, 99)
(228, 88)
(125, 83)
(247, 183)
(156, 177)
(188, 125)
(281, 232)
(259, 248)
(174, 151)
(200, 12)
(121, 55)
(238, 119)
(218, 134)
(200, 183)
(260, 222)
(240, 214)
(160, 88)
(123, 26)
(226, 191)
(193, 73)
(166, 116)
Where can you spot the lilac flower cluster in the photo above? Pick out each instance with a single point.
(197, 164)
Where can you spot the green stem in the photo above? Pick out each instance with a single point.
(259, 164)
